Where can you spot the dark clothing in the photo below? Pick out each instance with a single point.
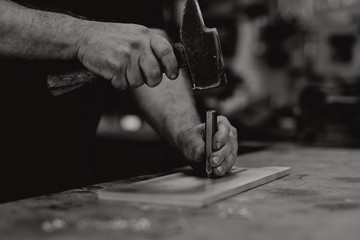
(46, 142)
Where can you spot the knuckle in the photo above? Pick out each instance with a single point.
(137, 83)
(221, 118)
(117, 83)
(106, 74)
(221, 170)
(225, 131)
(231, 158)
(233, 132)
(140, 84)
(144, 30)
(225, 164)
(228, 164)
(222, 136)
(118, 67)
(154, 82)
(124, 54)
(155, 74)
(135, 44)
(227, 149)
(165, 51)
(219, 138)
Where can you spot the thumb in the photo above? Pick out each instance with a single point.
(194, 151)
(198, 156)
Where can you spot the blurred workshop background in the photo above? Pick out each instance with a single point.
(294, 76)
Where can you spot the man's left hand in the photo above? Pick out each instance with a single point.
(225, 146)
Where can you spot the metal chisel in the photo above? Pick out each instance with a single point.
(210, 130)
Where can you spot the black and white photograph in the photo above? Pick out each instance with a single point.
(180, 119)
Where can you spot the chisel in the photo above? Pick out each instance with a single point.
(210, 130)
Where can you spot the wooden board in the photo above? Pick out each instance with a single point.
(185, 189)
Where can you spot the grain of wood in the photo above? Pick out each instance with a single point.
(186, 189)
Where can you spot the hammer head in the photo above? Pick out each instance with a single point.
(202, 49)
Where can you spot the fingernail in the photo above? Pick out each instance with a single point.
(218, 145)
(232, 134)
(173, 76)
(220, 169)
(216, 160)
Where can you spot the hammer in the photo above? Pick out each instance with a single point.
(199, 51)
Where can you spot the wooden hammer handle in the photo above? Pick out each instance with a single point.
(64, 83)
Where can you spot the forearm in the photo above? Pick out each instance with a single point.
(35, 34)
(169, 108)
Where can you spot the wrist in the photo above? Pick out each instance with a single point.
(79, 38)
(61, 34)
(35, 34)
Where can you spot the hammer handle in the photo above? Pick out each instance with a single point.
(64, 83)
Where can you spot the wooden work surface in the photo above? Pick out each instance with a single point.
(319, 200)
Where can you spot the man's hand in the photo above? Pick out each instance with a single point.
(225, 146)
(127, 54)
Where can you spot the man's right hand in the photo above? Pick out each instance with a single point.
(128, 55)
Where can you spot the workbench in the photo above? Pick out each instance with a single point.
(320, 199)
